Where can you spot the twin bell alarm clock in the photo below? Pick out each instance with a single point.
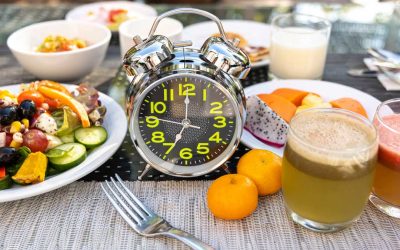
(186, 106)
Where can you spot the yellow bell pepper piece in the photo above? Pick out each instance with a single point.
(69, 101)
(33, 170)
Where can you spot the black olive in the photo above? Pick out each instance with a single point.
(8, 115)
(7, 155)
(26, 109)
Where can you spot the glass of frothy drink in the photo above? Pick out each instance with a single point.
(328, 168)
(386, 189)
(299, 45)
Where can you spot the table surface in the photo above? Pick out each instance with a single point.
(129, 165)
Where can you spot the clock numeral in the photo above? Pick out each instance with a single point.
(204, 95)
(202, 148)
(217, 106)
(152, 121)
(215, 137)
(170, 145)
(186, 154)
(157, 137)
(220, 122)
(157, 107)
(171, 94)
(188, 88)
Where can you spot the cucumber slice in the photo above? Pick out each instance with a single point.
(91, 137)
(75, 153)
(68, 138)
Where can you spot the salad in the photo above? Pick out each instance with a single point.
(46, 129)
(60, 44)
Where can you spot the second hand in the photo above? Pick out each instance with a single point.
(192, 126)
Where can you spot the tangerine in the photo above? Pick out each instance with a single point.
(232, 197)
(264, 168)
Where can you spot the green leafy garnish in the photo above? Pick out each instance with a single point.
(70, 122)
(23, 152)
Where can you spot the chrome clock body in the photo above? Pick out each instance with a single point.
(218, 66)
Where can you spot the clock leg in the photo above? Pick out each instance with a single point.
(225, 168)
(146, 169)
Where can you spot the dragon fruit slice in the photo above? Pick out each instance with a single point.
(264, 123)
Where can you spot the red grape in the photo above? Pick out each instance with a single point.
(9, 138)
(36, 140)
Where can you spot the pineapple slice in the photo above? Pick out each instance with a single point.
(311, 100)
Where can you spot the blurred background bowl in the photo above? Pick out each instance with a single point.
(99, 12)
(168, 27)
(60, 66)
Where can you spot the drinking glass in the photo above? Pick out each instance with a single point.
(328, 167)
(299, 44)
(386, 188)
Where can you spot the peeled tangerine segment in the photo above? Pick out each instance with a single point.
(264, 123)
(283, 107)
(349, 104)
(293, 95)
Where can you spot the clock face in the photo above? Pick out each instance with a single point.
(186, 120)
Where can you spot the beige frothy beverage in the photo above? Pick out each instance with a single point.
(298, 53)
(328, 166)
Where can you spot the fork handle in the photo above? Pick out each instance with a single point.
(188, 239)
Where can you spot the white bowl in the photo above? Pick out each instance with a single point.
(168, 27)
(60, 66)
(99, 11)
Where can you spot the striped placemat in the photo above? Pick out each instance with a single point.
(79, 216)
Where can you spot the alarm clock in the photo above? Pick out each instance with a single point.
(186, 105)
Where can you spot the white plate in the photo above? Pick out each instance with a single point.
(116, 134)
(135, 10)
(256, 33)
(327, 90)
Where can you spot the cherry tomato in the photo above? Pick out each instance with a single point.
(33, 95)
(53, 103)
(35, 140)
(113, 13)
(2, 172)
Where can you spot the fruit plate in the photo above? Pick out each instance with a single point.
(98, 12)
(327, 90)
(256, 33)
(116, 134)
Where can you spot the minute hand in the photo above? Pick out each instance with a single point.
(187, 103)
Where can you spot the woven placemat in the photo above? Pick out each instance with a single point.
(79, 216)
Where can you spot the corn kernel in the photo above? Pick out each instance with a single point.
(15, 127)
(25, 122)
(15, 144)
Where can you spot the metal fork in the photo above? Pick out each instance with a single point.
(142, 219)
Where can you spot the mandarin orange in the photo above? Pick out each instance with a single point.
(232, 197)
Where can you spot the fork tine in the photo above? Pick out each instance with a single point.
(141, 205)
(134, 206)
(127, 209)
(119, 209)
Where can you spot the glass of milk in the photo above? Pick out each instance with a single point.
(299, 45)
